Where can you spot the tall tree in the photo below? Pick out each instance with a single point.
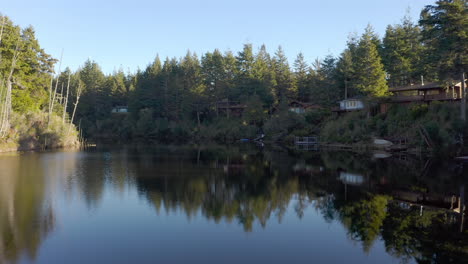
(444, 31)
(345, 72)
(263, 76)
(284, 80)
(301, 78)
(401, 53)
(245, 61)
(369, 72)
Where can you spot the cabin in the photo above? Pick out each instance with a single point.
(122, 109)
(231, 108)
(301, 107)
(350, 105)
(425, 93)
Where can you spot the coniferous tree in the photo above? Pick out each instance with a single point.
(345, 73)
(245, 61)
(401, 53)
(263, 76)
(369, 74)
(444, 31)
(301, 78)
(284, 79)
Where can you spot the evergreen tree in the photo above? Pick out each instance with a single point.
(444, 32)
(301, 78)
(368, 68)
(245, 61)
(284, 79)
(263, 76)
(401, 53)
(345, 73)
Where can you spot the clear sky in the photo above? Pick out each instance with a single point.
(129, 34)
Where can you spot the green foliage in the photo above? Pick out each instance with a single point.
(444, 32)
(368, 69)
(179, 98)
(350, 128)
(441, 120)
(32, 131)
(402, 52)
(227, 130)
(282, 123)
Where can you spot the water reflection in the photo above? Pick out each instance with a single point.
(409, 203)
(25, 216)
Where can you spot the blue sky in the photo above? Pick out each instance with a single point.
(128, 34)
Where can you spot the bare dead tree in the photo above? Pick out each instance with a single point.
(50, 96)
(6, 109)
(66, 100)
(51, 105)
(78, 94)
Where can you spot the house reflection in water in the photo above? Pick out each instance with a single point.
(349, 178)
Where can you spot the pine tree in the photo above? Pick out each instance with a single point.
(401, 53)
(263, 76)
(444, 31)
(284, 79)
(369, 71)
(345, 73)
(301, 78)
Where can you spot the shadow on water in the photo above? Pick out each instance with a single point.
(413, 205)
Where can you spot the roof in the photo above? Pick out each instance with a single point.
(426, 86)
(304, 105)
(352, 99)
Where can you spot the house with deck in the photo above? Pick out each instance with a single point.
(425, 93)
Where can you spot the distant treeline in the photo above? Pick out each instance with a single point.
(177, 98)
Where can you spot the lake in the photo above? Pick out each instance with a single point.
(229, 204)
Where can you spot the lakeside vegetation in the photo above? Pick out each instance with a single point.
(177, 100)
(27, 120)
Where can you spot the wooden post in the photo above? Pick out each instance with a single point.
(461, 206)
(463, 97)
(346, 88)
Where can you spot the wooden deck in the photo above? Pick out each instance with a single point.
(425, 98)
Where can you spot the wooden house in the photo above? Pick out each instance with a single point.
(301, 107)
(350, 105)
(425, 93)
(230, 108)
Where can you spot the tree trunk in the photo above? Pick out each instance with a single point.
(6, 109)
(78, 94)
(66, 100)
(51, 106)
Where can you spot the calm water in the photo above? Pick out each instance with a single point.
(237, 204)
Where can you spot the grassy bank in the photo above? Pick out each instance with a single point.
(439, 121)
(32, 131)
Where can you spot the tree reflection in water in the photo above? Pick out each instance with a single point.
(25, 217)
(373, 199)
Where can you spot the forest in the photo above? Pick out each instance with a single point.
(178, 99)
